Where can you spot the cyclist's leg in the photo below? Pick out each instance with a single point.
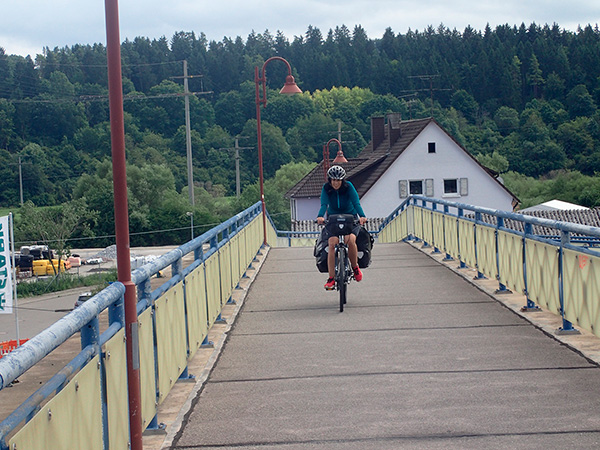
(333, 241)
(352, 250)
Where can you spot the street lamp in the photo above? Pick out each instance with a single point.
(289, 88)
(339, 158)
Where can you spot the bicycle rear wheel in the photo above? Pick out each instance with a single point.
(341, 277)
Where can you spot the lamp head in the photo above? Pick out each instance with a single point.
(290, 87)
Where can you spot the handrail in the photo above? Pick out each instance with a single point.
(85, 317)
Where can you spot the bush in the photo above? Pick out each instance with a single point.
(66, 281)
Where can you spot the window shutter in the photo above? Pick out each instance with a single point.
(464, 186)
(403, 187)
(429, 187)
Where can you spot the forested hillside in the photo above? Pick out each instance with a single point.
(523, 99)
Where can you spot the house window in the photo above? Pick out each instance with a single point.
(451, 186)
(431, 147)
(416, 187)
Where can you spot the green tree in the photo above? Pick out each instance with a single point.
(54, 226)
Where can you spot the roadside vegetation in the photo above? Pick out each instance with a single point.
(96, 282)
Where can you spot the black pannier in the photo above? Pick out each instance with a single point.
(320, 252)
(364, 243)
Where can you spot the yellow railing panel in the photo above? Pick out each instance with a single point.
(115, 364)
(581, 290)
(438, 231)
(466, 230)
(195, 296)
(147, 371)
(542, 275)
(225, 272)
(451, 232)
(510, 254)
(70, 420)
(418, 222)
(171, 348)
(236, 268)
(213, 288)
(486, 251)
(427, 226)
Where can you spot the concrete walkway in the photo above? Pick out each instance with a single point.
(419, 359)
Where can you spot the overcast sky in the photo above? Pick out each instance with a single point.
(27, 26)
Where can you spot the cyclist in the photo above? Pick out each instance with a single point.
(339, 196)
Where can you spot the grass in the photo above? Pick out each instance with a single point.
(66, 281)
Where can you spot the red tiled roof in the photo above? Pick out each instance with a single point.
(372, 163)
(366, 169)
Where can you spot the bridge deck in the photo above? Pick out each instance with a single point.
(420, 359)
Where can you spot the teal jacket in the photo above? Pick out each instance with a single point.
(342, 201)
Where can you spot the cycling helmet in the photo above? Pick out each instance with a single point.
(336, 173)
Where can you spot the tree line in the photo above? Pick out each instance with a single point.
(523, 99)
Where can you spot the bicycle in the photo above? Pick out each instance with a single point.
(342, 226)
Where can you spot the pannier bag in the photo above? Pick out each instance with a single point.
(364, 243)
(320, 252)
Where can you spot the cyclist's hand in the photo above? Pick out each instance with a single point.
(363, 220)
(320, 220)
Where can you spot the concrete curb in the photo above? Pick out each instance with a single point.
(180, 400)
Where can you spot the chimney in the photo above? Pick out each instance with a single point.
(394, 130)
(377, 131)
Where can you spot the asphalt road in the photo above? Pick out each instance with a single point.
(35, 314)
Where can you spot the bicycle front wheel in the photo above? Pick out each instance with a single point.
(341, 277)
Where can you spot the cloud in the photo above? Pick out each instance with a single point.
(27, 26)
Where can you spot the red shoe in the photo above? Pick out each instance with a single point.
(357, 273)
(330, 285)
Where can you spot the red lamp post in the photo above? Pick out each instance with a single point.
(115, 93)
(289, 88)
(339, 158)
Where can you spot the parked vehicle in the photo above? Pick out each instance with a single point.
(83, 297)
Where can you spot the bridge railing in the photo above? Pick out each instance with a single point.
(85, 404)
(554, 264)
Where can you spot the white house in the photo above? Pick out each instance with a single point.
(403, 158)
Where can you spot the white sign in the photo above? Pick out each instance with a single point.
(6, 287)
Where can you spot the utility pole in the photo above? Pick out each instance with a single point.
(430, 79)
(20, 181)
(237, 149)
(188, 134)
(20, 164)
(188, 129)
(237, 168)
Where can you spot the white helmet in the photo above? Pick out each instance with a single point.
(336, 173)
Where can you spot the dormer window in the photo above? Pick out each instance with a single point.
(431, 147)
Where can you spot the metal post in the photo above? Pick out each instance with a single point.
(117, 126)
(460, 214)
(237, 168)
(530, 306)
(501, 288)
(188, 135)
(477, 219)
(257, 81)
(20, 181)
(14, 275)
(567, 327)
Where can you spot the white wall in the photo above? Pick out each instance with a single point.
(449, 161)
(307, 208)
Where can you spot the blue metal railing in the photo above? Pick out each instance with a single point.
(85, 318)
(565, 237)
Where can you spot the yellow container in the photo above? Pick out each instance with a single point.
(40, 262)
(39, 270)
